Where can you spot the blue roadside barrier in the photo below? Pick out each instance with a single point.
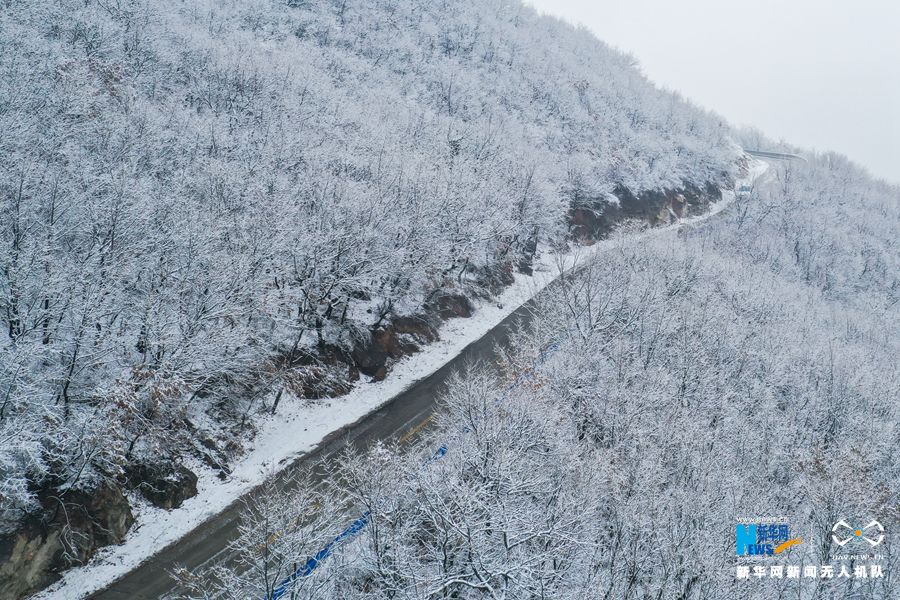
(312, 564)
(307, 569)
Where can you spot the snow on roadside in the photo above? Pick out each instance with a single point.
(299, 427)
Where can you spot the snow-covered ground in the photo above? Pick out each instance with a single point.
(299, 427)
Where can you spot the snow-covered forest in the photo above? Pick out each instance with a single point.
(199, 201)
(748, 366)
(210, 210)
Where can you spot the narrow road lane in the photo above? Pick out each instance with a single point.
(404, 417)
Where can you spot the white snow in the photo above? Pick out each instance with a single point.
(299, 427)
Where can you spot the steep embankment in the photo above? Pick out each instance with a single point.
(213, 208)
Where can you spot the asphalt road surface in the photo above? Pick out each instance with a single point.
(407, 415)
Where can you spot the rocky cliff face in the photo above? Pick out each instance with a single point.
(593, 219)
(71, 527)
(163, 485)
(68, 532)
(30, 559)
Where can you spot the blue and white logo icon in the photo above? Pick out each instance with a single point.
(842, 533)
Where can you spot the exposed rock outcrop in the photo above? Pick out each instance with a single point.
(328, 373)
(450, 305)
(164, 485)
(594, 219)
(403, 335)
(73, 527)
(28, 559)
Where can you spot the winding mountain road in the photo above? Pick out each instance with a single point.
(404, 418)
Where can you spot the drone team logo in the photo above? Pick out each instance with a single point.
(761, 544)
(842, 533)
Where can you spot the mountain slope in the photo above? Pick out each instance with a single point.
(209, 202)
